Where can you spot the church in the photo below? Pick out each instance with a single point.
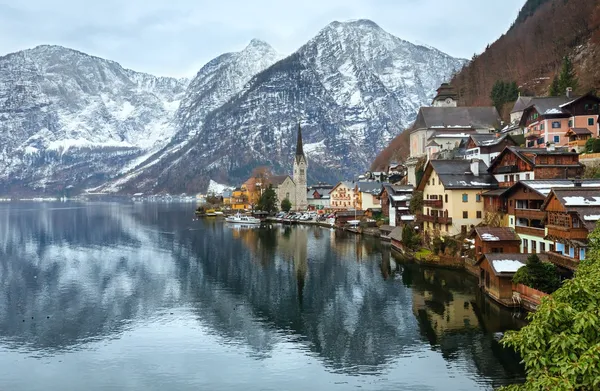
(294, 189)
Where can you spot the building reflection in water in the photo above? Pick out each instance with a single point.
(97, 270)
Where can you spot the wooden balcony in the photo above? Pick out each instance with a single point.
(568, 233)
(563, 261)
(434, 219)
(434, 203)
(508, 169)
(531, 214)
(577, 143)
(533, 134)
(538, 232)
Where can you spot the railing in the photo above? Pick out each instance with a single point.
(533, 134)
(539, 232)
(562, 260)
(567, 232)
(433, 203)
(577, 143)
(507, 169)
(434, 219)
(534, 214)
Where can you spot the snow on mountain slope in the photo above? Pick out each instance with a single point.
(353, 87)
(67, 118)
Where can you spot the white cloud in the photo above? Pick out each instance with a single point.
(177, 37)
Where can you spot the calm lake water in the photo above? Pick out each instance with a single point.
(141, 297)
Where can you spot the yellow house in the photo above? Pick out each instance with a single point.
(343, 196)
(367, 195)
(452, 201)
(239, 199)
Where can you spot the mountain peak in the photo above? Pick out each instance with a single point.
(256, 43)
(355, 23)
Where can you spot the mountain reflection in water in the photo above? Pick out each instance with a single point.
(86, 286)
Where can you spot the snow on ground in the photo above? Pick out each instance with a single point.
(217, 188)
(64, 145)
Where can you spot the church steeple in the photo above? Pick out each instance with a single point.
(299, 149)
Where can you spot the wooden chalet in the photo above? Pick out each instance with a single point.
(487, 146)
(395, 202)
(493, 240)
(571, 215)
(344, 217)
(515, 164)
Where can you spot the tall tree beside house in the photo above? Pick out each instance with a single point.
(504, 92)
(538, 275)
(567, 77)
(554, 88)
(268, 201)
(416, 203)
(286, 205)
(561, 345)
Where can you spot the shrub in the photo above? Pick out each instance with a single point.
(539, 275)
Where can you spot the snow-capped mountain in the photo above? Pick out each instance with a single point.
(353, 88)
(67, 118)
(70, 119)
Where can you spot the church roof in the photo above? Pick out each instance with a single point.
(299, 147)
(277, 180)
(456, 118)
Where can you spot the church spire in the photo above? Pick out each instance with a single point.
(299, 149)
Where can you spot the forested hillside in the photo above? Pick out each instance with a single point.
(530, 54)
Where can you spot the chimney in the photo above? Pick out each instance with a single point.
(475, 167)
(550, 147)
(569, 92)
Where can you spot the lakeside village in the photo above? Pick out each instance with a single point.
(507, 203)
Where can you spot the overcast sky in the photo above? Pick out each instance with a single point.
(176, 37)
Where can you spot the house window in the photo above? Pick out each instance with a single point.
(528, 176)
(512, 221)
(556, 125)
(533, 246)
(551, 247)
(525, 251)
(542, 126)
(505, 178)
(570, 123)
(446, 198)
(590, 121)
(517, 177)
(556, 139)
(478, 197)
(541, 140)
(542, 247)
(465, 214)
(465, 198)
(575, 222)
(478, 214)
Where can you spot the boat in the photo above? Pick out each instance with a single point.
(242, 219)
(218, 213)
(211, 213)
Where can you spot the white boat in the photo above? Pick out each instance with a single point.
(242, 219)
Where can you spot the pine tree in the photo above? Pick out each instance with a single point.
(554, 89)
(268, 201)
(567, 77)
(286, 205)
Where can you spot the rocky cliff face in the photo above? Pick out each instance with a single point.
(67, 118)
(353, 87)
(70, 119)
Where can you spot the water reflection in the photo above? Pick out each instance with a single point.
(96, 271)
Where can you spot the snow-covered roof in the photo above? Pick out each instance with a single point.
(401, 197)
(582, 201)
(489, 237)
(591, 217)
(507, 265)
(407, 218)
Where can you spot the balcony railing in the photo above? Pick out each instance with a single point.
(533, 134)
(577, 143)
(539, 232)
(563, 261)
(531, 214)
(433, 203)
(434, 219)
(507, 169)
(558, 231)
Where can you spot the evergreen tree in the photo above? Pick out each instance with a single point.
(538, 275)
(567, 77)
(268, 201)
(512, 92)
(286, 205)
(554, 89)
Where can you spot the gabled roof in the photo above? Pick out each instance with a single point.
(543, 186)
(456, 174)
(497, 234)
(347, 184)
(369, 187)
(396, 234)
(490, 139)
(579, 131)
(505, 264)
(521, 104)
(549, 105)
(583, 201)
(277, 180)
(457, 118)
(528, 155)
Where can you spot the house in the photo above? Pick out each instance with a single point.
(487, 147)
(447, 126)
(452, 202)
(343, 196)
(496, 271)
(396, 239)
(517, 111)
(515, 164)
(318, 196)
(549, 119)
(395, 203)
(577, 138)
(343, 217)
(240, 199)
(368, 195)
(571, 215)
(492, 240)
(227, 196)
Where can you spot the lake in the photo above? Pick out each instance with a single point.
(106, 296)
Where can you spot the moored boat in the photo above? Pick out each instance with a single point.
(242, 219)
